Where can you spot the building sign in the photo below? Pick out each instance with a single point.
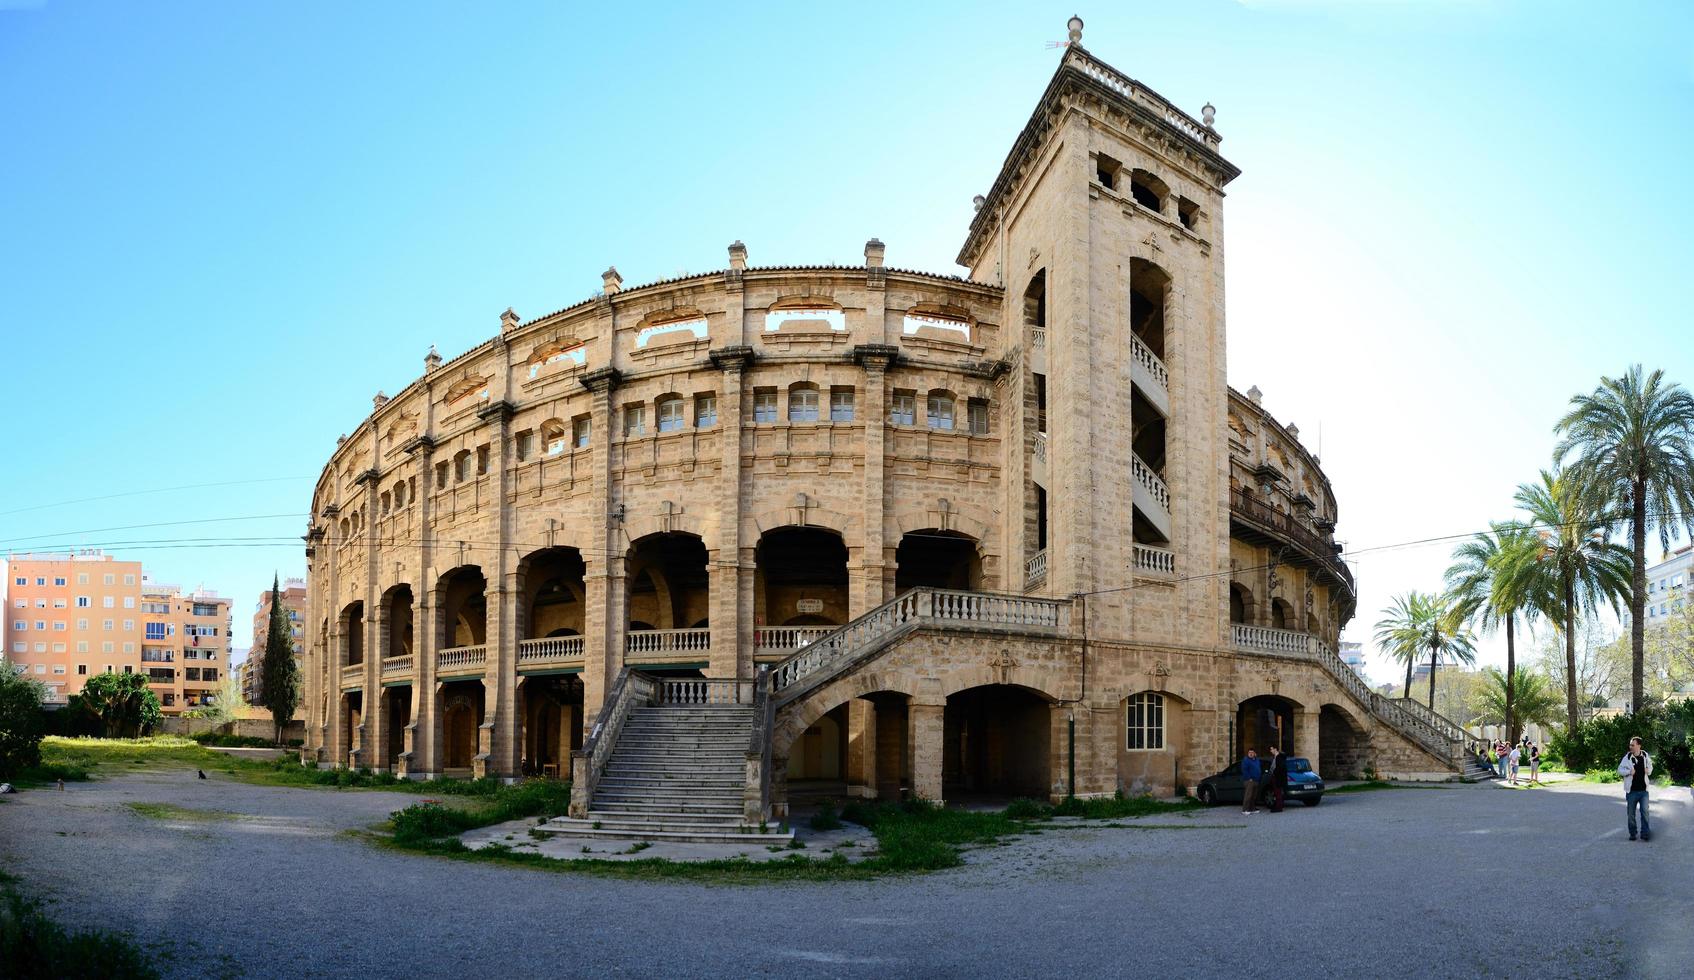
(809, 606)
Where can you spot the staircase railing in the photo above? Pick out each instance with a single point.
(702, 690)
(828, 655)
(632, 689)
(756, 789)
(1410, 725)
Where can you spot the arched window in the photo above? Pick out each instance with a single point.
(940, 411)
(671, 415)
(462, 466)
(1144, 722)
(803, 403)
(1149, 191)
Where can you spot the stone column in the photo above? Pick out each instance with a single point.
(335, 745)
(861, 748)
(732, 646)
(423, 735)
(374, 743)
(868, 583)
(926, 732)
(502, 675)
(603, 625)
(1306, 734)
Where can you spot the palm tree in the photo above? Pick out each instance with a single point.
(1633, 439)
(1534, 699)
(1422, 621)
(1488, 584)
(1574, 566)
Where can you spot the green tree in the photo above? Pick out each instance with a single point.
(1419, 623)
(1574, 568)
(279, 673)
(121, 703)
(1527, 694)
(1489, 584)
(1633, 442)
(21, 722)
(226, 703)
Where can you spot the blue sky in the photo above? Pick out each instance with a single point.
(224, 227)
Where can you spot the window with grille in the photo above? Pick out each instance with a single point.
(802, 404)
(1145, 722)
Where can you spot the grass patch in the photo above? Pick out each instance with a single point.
(170, 811)
(431, 820)
(34, 946)
(1658, 780)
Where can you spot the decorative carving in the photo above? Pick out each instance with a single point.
(1002, 666)
(1160, 669)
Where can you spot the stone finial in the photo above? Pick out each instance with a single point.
(1074, 25)
(432, 360)
(1208, 112)
(1255, 396)
(1293, 431)
(874, 250)
(610, 282)
(380, 399)
(977, 202)
(341, 438)
(509, 320)
(738, 256)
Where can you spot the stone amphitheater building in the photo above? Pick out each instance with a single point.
(716, 542)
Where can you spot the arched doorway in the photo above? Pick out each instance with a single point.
(1282, 615)
(552, 723)
(1263, 721)
(353, 633)
(397, 712)
(817, 761)
(461, 717)
(554, 593)
(464, 607)
(668, 585)
(801, 577)
(352, 716)
(996, 743)
(1343, 744)
(937, 559)
(397, 621)
(1240, 603)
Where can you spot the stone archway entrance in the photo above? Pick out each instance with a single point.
(461, 717)
(937, 559)
(1343, 746)
(1263, 721)
(996, 743)
(552, 723)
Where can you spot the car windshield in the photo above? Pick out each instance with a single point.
(1299, 765)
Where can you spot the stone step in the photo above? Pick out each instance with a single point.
(708, 783)
(610, 814)
(585, 828)
(657, 771)
(643, 804)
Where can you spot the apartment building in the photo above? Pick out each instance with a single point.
(293, 596)
(185, 644)
(70, 616)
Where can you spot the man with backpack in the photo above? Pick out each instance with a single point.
(1636, 768)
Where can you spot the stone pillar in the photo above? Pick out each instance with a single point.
(502, 675)
(374, 742)
(482, 764)
(336, 747)
(869, 582)
(732, 640)
(603, 618)
(926, 732)
(424, 733)
(1306, 734)
(861, 748)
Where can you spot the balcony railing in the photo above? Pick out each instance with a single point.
(784, 640)
(1251, 509)
(703, 691)
(352, 674)
(397, 666)
(550, 649)
(1151, 559)
(462, 659)
(1268, 639)
(1150, 481)
(645, 642)
(1041, 447)
(1035, 569)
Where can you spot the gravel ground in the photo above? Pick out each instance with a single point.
(1467, 881)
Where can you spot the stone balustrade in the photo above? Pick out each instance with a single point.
(1035, 569)
(1150, 480)
(462, 659)
(783, 640)
(398, 666)
(550, 650)
(1150, 559)
(668, 641)
(352, 675)
(1150, 362)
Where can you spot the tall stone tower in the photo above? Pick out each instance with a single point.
(1105, 227)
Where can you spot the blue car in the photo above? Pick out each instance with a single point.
(1304, 784)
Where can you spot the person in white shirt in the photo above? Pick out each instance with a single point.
(1512, 764)
(1636, 768)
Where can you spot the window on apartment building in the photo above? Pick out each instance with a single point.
(19, 646)
(192, 673)
(39, 581)
(802, 403)
(82, 646)
(940, 411)
(128, 669)
(129, 647)
(41, 603)
(110, 579)
(129, 579)
(209, 674)
(152, 631)
(841, 404)
(41, 668)
(59, 626)
(978, 413)
(20, 625)
(764, 404)
(106, 625)
(41, 625)
(84, 602)
(672, 415)
(20, 603)
(1144, 720)
(59, 580)
(59, 604)
(129, 626)
(108, 602)
(903, 410)
(106, 646)
(82, 624)
(20, 580)
(82, 578)
(82, 670)
(705, 411)
(40, 647)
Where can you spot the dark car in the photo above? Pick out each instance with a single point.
(1304, 784)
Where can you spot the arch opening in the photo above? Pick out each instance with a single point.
(996, 743)
(937, 559)
(554, 593)
(801, 578)
(668, 582)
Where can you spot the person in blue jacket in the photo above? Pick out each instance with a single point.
(1251, 772)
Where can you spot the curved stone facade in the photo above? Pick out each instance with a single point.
(698, 476)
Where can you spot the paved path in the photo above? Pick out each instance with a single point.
(1465, 881)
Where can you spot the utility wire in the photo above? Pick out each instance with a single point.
(137, 493)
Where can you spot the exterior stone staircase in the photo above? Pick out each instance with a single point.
(674, 766)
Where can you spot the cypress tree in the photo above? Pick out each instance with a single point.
(279, 673)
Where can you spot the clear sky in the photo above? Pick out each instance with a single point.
(224, 227)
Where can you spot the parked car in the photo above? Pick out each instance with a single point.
(1304, 784)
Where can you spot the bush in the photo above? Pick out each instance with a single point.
(33, 946)
(1024, 808)
(1598, 744)
(232, 741)
(22, 723)
(429, 820)
(825, 818)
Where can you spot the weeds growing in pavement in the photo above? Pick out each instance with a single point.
(34, 946)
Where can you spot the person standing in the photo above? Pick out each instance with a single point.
(1636, 768)
(1500, 758)
(1278, 778)
(1512, 764)
(1535, 764)
(1251, 772)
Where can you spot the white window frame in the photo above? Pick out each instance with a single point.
(1144, 722)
